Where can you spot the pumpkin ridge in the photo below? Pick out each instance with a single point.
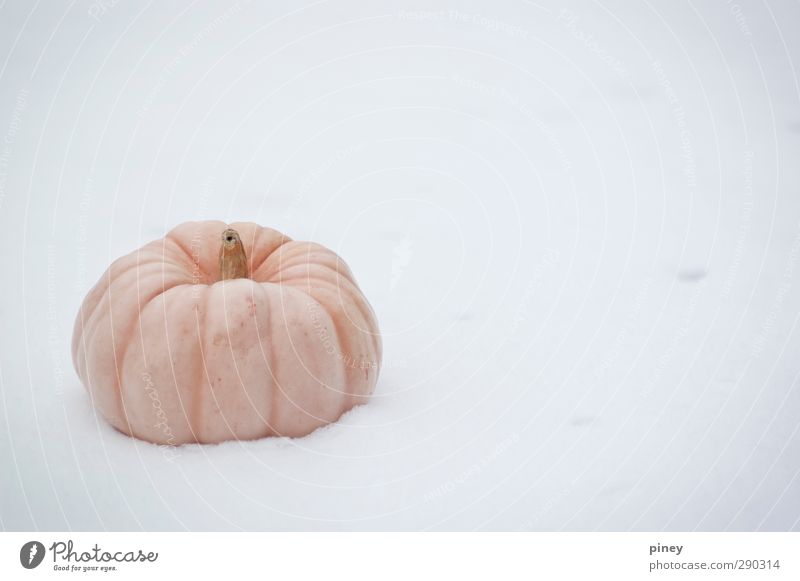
(90, 329)
(288, 275)
(86, 312)
(79, 351)
(272, 422)
(311, 281)
(367, 314)
(341, 344)
(354, 294)
(260, 233)
(158, 251)
(347, 349)
(280, 389)
(195, 414)
(296, 404)
(304, 258)
(284, 241)
(253, 246)
(108, 279)
(341, 390)
(94, 311)
(178, 389)
(185, 252)
(120, 365)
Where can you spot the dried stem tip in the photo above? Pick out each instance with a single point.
(232, 258)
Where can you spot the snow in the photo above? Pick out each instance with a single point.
(579, 228)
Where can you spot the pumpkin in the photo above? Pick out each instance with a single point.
(220, 332)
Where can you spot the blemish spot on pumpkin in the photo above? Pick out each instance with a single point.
(219, 339)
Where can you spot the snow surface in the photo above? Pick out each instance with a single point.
(579, 228)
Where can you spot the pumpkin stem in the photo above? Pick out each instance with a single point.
(232, 258)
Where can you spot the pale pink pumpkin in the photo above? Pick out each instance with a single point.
(172, 354)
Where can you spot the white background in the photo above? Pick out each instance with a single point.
(579, 228)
